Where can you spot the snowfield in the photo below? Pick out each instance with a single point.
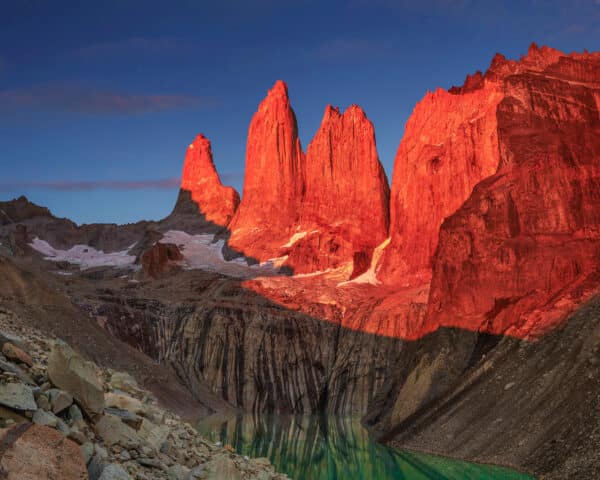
(84, 255)
(199, 252)
(202, 252)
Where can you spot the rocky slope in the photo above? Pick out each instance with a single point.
(533, 405)
(63, 417)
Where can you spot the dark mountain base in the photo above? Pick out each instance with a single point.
(535, 406)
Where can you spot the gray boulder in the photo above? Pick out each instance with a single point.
(68, 371)
(17, 396)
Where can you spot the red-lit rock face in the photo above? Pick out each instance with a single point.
(160, 258)
(524, 249)
(274, 179)
(449, 145)
(216, 202)
(344, 209)
(321, 210)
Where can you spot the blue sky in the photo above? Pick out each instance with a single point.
(98, 100)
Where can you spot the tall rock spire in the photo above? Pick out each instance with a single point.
(274, 178)
(345, 203)
(201, 188)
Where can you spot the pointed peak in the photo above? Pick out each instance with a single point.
(200, 142)
(330, 112)
(279, 89)
(541, 56)
(533, 48)
(354, 111)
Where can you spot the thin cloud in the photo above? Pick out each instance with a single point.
(575, 28)
(410, 6)
(123, 185)
(84, 186)
(150, 45)
(349, 49)
(89, 100)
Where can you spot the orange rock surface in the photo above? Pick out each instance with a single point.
(450, 144)
(320, 210)
(274, 179)
(523, 250)
(344, 209)
(216, 202)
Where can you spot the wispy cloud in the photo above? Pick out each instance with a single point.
(90, 100)
(442, 6)
(349, 49)
(152, 45)
(84, 185)
(89, 185)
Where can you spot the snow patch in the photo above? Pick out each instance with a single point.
(202, 252)
(84, 255)
(370, 276)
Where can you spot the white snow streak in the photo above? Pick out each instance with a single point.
(83, 255)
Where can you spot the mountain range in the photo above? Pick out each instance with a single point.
(456, 311)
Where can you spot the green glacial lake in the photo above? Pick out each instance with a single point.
(334, 448)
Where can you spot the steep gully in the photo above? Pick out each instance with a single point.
(492, 243)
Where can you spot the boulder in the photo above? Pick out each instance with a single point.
(123, 381)
(113, 431)
(6, 337)
(222, 467)
(17, 396)
(160, 258)
(68, 371)
(59, 399)
(19, 372)
(36, 452)
(14, 353)
(123, 402)
(41, 417)
(114, 471)
(154, 435)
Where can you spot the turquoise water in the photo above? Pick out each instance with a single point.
(335, 448)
